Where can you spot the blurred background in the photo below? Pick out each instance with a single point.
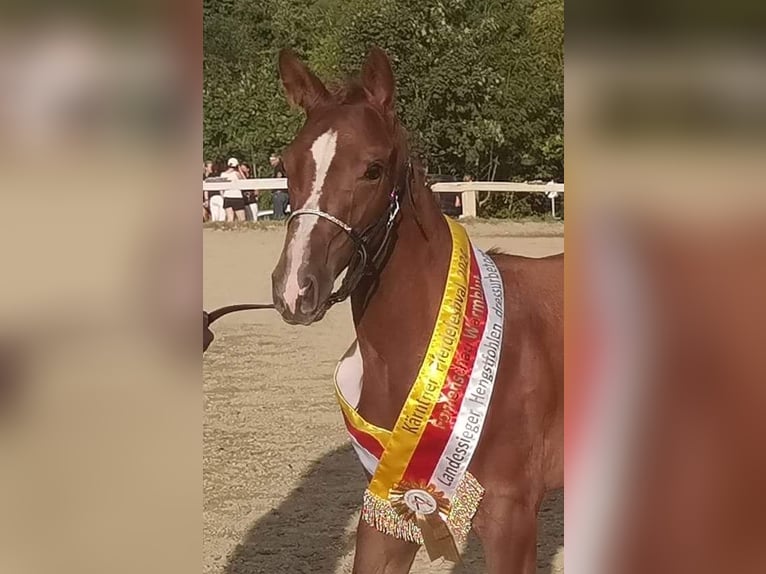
(100, 448)
(665, 148)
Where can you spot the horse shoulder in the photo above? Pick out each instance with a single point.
(528, 404)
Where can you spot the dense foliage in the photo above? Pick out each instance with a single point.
(480, 82)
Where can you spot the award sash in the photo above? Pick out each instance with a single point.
(421, 490)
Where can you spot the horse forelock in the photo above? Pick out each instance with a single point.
(349, 92)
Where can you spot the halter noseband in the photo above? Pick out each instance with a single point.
(361, 264)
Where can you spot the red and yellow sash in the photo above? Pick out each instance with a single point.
(420, 488)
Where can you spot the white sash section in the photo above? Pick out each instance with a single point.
(462, 443)
(368, 460)
(348, 375)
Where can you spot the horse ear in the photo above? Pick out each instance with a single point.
(378, 79)
(302, 87)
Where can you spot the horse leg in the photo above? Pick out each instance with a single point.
(507, 528)
(378, 553)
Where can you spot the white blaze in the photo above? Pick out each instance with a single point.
(323, 152)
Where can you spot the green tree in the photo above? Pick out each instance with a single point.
(479, 82)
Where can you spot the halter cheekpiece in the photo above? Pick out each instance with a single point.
(361, 263)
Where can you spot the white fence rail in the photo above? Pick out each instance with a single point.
(247, 184)
(467, 189)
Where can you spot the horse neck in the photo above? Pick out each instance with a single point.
(395, 319)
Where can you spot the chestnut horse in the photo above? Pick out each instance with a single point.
(360, 203)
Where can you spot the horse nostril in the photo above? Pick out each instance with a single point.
(309, 295)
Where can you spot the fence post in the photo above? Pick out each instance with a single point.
(468, 201)
(552, 195)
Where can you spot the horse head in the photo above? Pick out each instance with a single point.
(345, 167)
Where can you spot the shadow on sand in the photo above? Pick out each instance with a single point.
(307, 531)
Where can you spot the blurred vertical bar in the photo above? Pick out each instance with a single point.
(100, 287)
(665, 113)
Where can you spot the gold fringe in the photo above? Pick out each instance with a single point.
(464, 505)
(378, 513)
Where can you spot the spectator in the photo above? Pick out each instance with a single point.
(455, 207)
(233, 200)
(280, 199)
(250, 195)
(212, 199)
(207, 169)
(449, 201)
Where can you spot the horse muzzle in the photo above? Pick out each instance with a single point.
(300, 300)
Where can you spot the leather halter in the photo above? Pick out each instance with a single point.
(361, 263)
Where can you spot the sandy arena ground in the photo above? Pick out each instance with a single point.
(282, 486)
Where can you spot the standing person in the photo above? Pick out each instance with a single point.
(449, 201)
(213, 199)
(233, 200)
(280, 199)
(207, 169)
(250, 195)
(453, 206)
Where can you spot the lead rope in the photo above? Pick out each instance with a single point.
(209, 318)
(221, 311)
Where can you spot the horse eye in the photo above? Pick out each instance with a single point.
(373, 172)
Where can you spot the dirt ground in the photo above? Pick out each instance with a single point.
(282, 487)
